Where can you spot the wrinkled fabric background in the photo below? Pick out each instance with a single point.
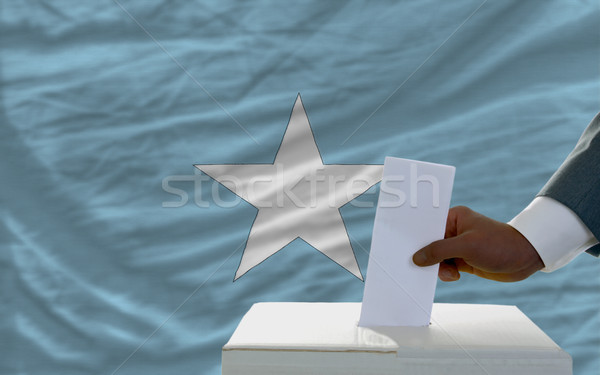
(98, 277)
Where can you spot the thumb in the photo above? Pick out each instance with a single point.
(438, 251)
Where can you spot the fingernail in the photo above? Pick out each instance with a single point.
(448, 274)
(419, 258)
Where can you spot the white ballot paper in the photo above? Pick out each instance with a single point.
(411, 213)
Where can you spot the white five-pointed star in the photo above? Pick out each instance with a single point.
(297, 197)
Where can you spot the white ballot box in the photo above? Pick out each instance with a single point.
(324, 338)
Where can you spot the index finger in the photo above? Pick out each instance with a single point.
(438, 251)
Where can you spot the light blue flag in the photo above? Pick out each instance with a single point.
(117, 256)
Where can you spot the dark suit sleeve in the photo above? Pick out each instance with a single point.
(576, 184)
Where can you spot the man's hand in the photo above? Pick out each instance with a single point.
(479, 245)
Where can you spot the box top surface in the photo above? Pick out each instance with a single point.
(334, 327)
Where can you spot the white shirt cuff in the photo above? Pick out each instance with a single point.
(556, 232)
